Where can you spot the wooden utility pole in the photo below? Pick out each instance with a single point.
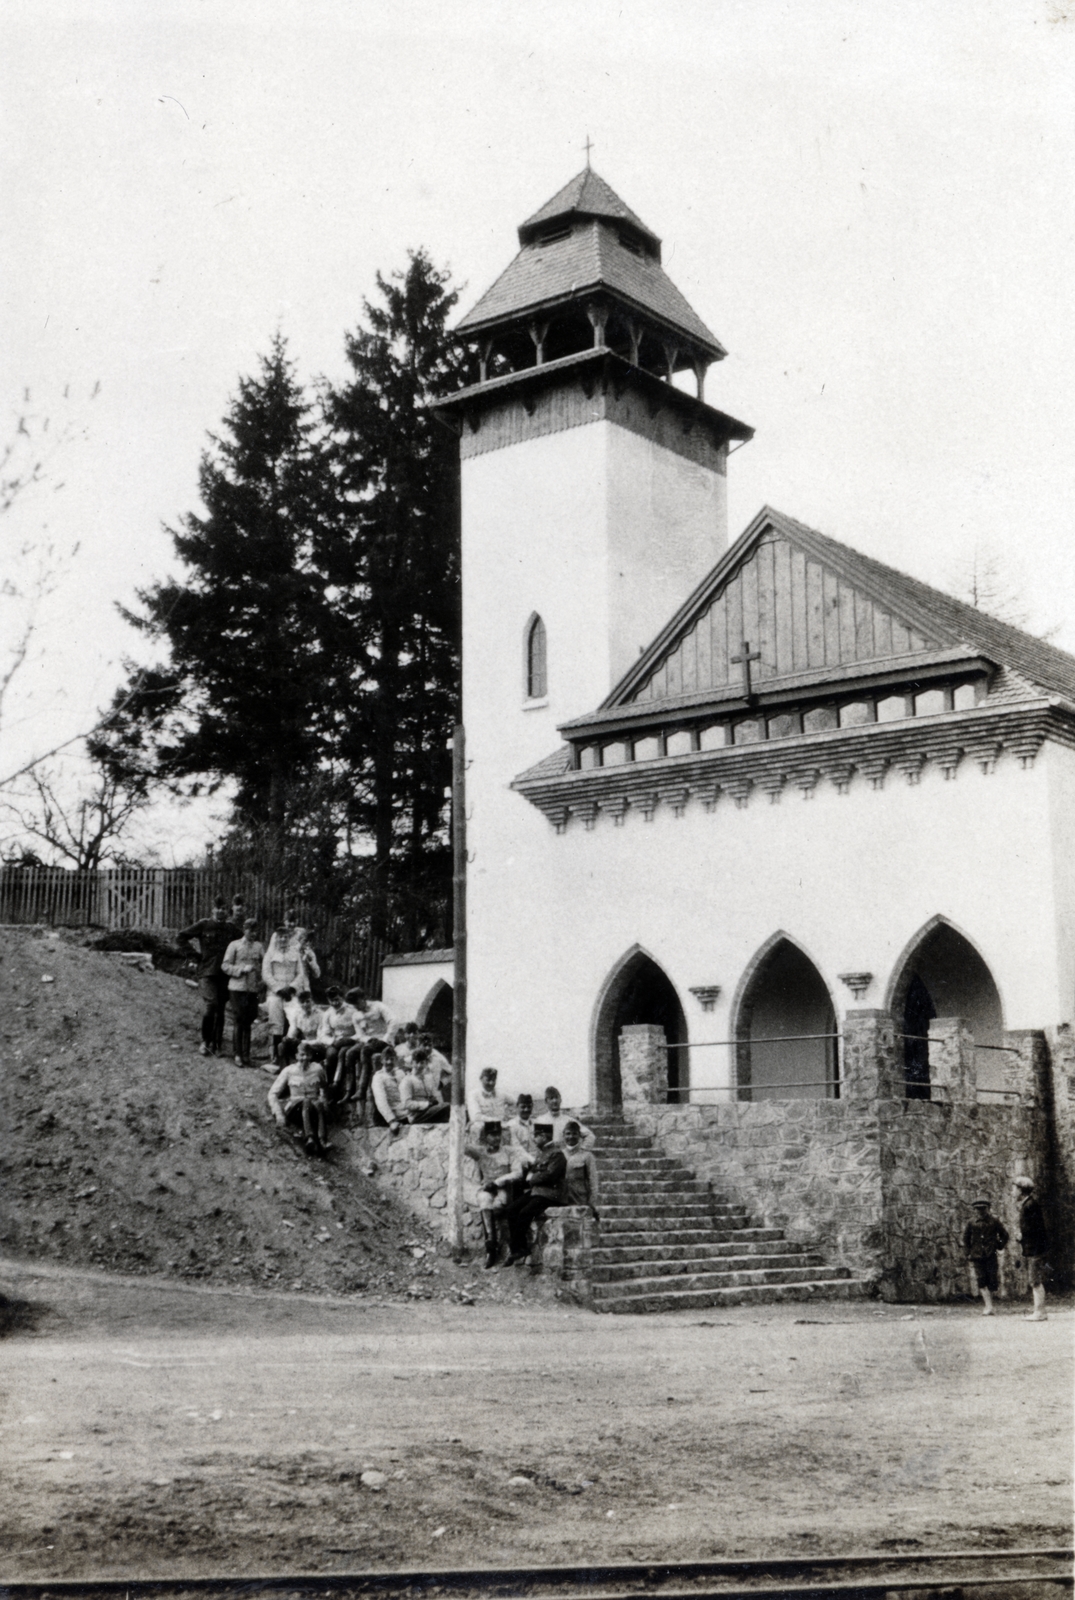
(458, 1119)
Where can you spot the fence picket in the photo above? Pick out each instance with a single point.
(164, 900)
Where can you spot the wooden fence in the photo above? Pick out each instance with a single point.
(164, 900)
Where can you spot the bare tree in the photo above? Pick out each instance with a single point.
(31, 567)
(83, 832)
(991, 582)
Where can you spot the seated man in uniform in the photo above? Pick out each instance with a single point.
(298, 1096)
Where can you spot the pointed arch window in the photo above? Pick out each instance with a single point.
(537, 676)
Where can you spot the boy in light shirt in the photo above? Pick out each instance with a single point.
(554, 1117)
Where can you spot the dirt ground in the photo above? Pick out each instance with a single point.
(121, 1147)
(159, 1428)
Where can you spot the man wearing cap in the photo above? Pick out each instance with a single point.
(242, 963)
(213, 934)
(1034, 1243)
(982, 1238)
(484, 1104)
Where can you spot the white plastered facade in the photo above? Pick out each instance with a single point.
(603, 534)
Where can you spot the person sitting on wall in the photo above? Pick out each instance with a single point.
(304, 1085)
(1034, 1243)
(520, 1127)
(373, 1030)
(581, 1187)
(420, 1094)
(214, 934)
(501, 1173)
(386, 1086)
(338, 1032)
(440, 1064)
(242, 963)
(982, 1238)
(483, 1103)
(555, 1117)
(405, 1040)
(303, 1024)
(543, 1187)
(289, 964)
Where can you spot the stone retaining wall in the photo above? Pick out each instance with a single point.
(935, 1160)
(413, 1167)
(811, 1167)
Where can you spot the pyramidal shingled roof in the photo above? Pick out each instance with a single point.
(548, 272)
(587, 195)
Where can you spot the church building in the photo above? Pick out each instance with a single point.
(770, 845)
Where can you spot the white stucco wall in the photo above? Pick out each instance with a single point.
(1060, 766)
(851, 878)
(404, 988)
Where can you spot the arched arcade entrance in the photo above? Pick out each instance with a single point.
(638, 991)
(435, 1015)
(785, 1029)
(944, 976)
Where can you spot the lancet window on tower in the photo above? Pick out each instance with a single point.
(537, 678)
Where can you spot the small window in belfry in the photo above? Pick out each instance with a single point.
(537, 680)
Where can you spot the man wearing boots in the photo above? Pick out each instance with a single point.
(501, 1177)
(214, 934)
(543, 1187)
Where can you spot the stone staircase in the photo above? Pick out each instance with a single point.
(667, 1243)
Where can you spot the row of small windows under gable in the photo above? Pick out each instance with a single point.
(782, 724)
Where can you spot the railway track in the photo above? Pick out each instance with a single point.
(953, 1574)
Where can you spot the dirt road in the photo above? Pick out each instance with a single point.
(170, 1429)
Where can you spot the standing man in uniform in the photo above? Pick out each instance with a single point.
(214, 934)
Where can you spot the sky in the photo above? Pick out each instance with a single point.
(872, 206)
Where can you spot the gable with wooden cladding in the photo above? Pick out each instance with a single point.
(797, 614)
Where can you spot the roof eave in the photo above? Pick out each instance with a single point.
(471, 328)
(616, 369)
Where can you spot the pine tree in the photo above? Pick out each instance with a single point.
(240, 696)
(390, 559)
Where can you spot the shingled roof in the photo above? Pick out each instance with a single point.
(590, 196)
(948, 622)
(591, 256)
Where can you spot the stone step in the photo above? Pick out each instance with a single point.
(754, 1294)
(734, 1278)
(640, 1163)
(702, 1249)
(665, 1238)
(668, 1206)
(670, 1183)
(703, 1226)
(716, 1266)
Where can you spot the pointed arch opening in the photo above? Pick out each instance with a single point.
(638, 991)
(435, 1015)
(535, 659)
(941, 974)
(785, 1028)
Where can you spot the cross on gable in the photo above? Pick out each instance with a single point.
(746, 656)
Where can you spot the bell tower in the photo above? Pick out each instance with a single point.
(593, 501)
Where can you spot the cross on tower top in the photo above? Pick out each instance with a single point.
(588, 146)
(746, 656)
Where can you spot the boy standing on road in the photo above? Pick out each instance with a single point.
(1034, 1243)
(214, 934)
(982, 1238)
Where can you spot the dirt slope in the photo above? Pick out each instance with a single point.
(124, 1148)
